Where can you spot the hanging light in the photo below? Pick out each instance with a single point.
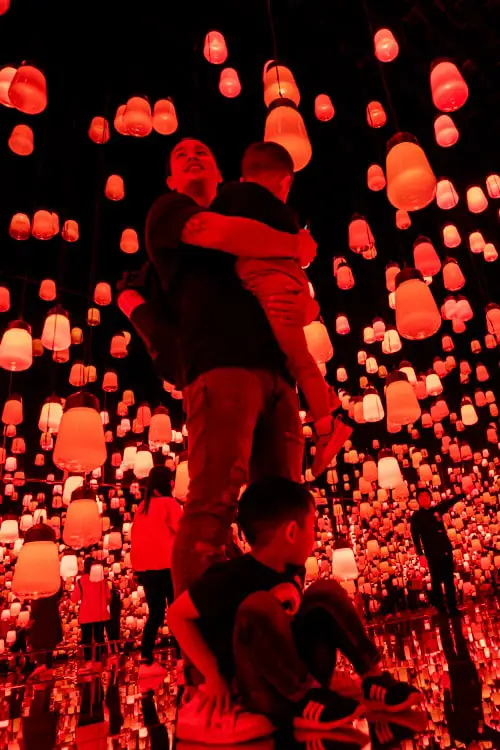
(468, 413)
(386, 46)
(425, 257)
(28, 90)
(375, 178)
(80, 445)
(115, 188)
(56, 335)
(391, 343)
(375, 115)
(451, 236)
(50, 415)
(323, 108)
(229, 83)
(373, 411)
(445, 131)
(403, 220)
(99, 130)
(477, 242)
(453, 277)
(6, 76)
(402, 403)
(181, 485)
(160, 428)
(165, 117)
(83, 525)
(16, 350)
(449, 90)
(493, 185)
(20, 227)
(279, 83)
(21, 140)
(389, 473)
(417, 315)
(143, 462)
(284, 125)
(477, 202)
(43, 225)
(360, 236)
(446, 195)
(129, 242)
(13, 410)
(102, 294)
(137, 117)
(70, 231)
(36, 575)
(118, 121)
(411, 183)
(318, 341)
(215, 48)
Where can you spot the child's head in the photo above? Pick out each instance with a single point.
(270, 165)
(278, 513)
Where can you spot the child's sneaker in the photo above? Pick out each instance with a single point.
(329, 444)
(322, 709)
(388, 694)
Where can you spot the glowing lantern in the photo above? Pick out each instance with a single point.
(425, 257)
(453, 277)
(181, 485)
(445, 131)
(318, 341)
(373, 411)
(409, 372)
(411, 184)
(344, 275)
(490, 252)
(143, 462)
(375, 178)
(82, 527)
(48, 291)
(360, 236)
(279, 83)
(403, 220)
(368, 335)
(13, 410)
(56, 334)
(342, 325)
(115, 188)
(43, 225)
(78, 375)
(28, 90)
(93, 316)
(342, 374)
(386, 46)
(391, 343)
(378, 329)
(165, 117)
(102, 294)
(21, 140)
(402, 404)
(16, 347)
(417, 315)
(20, 227)
(110, 381)
(449, 90)
(446, 195)
(118, 122)
(137, 117)
(229, 83)
(476, 242)
(433, 384)
(284, 125)
(371, 365)
(451, 236)
(160, 428)
(391, 271)
(477, 202)
(68, 567)
(70, 231)
(215, 49)
(493, 318)
(99, 130)
(50, 415)
(389, 473)
(76, 336)
(6, 76)
(36, 575)
(463, 309)
(375, 115)
(493, 185)
(129, 242)
(80, 445)
(344, 566)
(323, 108)
(468, 413)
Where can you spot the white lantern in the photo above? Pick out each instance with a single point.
(344, 564)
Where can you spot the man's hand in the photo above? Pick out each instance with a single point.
(218, 696)
(306, 248)
(423, 561)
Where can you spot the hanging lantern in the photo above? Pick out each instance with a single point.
(386, 46)
(411, 184)
(56, 335)
(344, 566)
(453, 277)
(402, 404)
(110, 381)
(93, 316)
(48, 291)
(360, 236)
(16, 352)
(344, 276)
(6, 76)
(446, 195)
(391, 343)
(468, 413)
(389, 473)
(445, 131)
(50, 415)
(129, 242)
(115, 188)
(20, 227)
(323, 108)
(417, 315)
(129, 455)
(493, 319)
(490, 252)
(433, 384)
(13, 410)
(99, 130)
(318, 342)
(83, 526)
(68, 567)
(493, 185)
(76, 336)
(229, 83)
(181, 485)
(36, 575)
(118, 121)
(451, 236)
(342, 325)
(375, 115)
(43, 225)
(477, 202)
(375, 178)
(102, 294)
(378, 329)
(28, 90)
(279, 83)
(407, 369)
(403, 220)
(477, 242)
(80, 445)
(70, 231)
(21, 140)
(165, 117)
(160, 429)
(285, 126)
(425, 257)
(215, 49)
(449, 90)
(373, 411)
(137, 117)
(78, 375)
(143, 462)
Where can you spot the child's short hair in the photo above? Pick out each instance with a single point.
(264, 158)
(270, 502)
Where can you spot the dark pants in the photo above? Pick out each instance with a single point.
(279, 658)
(441, 569)
(92, 632)
(242, 424)
(159, 590)
(112, 627)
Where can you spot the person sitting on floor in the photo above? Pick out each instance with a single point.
(231, 623)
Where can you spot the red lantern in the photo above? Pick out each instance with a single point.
(102, 294)
(129, 242)
(417, 315)
(48, 291)
(21, 140)
(453, 277)
(391, 271)
(411, 183)
(4, 299)
(279, 83)
(56, 334)
(284, 125)
(115, 188)
(375, 178)
(13, 410)
(493, 185)
(20, 227)
(99, 130)
(16, 353)
(477, 202)
(229, 83)
(342, 325)
(43, 225)
(28, 90)
(4, 6)
(449, 90)
(119, 346)
(375, 115)
(425, 257)
(451, 236)
(476, 242)
(118, 122)
(490, 252)
(446, 195)
(6, 76)
(80, 445)
(70, 231)
(445, 131)
(323, 108)
(165, 117)
(215, 49)
(137, 117)
(345, 278)
(361, 238)
(386, 46)
(403, 220)
(110, 381)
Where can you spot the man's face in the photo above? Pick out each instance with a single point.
(304, 538)
(191, 161)
(424, 499)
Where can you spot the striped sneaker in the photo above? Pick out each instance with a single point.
(323, 709)
(384, 692)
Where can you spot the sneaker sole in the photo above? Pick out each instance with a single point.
(192, 734)
(300, 723)
(414, 699)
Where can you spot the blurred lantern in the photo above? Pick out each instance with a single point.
(373, 411)
(102, 294)
(342, 325)
(378, 329)
(78, 375)
(20, 227)
(115, 188)
(463, 309)
(411, 184)
(215, 48)
(6, 76)
(490, 252)
(21, 140)
(16, 347)
(375, 115)
(344, 566)
(386, 46)
(143, 462)
(48, 290)
(451, 236)
(28, 90)
(453, 277)
(417, 315)
(118, 122)
(403, 220)
(229, 83)
(165, 117)
(468, 413)
(13, 410)
(9, 531)
(56, 335)
(129, 455)
(80, 445)
(110, 381)
(493, 319)
(360, 236)
(344, 275)
(375, 178)
(407, 369)
(43, 225)
(449, 90)
(68, 567)
(342, 374)
(70, 231)
(477, 202)
(99, 130)
(493, 185)
(368, 335)
(476, 242)
(279, 83)
(160, 428)
(284, 125)
(36, 575)
(425, 257)
(318, 341)
(389, 473)
(93, 316)
(82, 527)
(96, 573)
(433, 384)
(50, 415)
(446, 195)
(181, 485)
(445, 131)
(137, 117)
(391, 271)
(323, 108)
(402, 404)
(129, 242)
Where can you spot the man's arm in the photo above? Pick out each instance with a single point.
(445, 505)
(415, 535)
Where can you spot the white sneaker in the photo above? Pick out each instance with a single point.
(231, 728)
(151, 670)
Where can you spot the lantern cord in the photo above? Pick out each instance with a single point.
(272, 28)
(4, 441)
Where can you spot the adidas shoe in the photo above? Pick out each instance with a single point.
(385, 692)
(322, 709)
(329, 444)
(385, 734)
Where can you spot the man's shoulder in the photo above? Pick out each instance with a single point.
(169, 202)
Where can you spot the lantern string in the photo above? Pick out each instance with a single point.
(272, 29)
(4, 441)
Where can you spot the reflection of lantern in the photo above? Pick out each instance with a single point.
(389, 473)
(215, 48)
(56, 335)
(164, 117)
(344, 566)
(181, 486)
(28, 90)
(229, 84)
(449, 90)
(80, 445)
(411, 183)
(16, 347)
(318, 341)
(402, 404)
(36, 575)
(417, 315)
(82, 527)
(284, 125)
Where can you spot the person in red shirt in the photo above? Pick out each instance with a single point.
(94, 597)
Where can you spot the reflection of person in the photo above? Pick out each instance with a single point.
(93, 612)
(40, 725)
(267, 176)
(233, 627)
(153, 532)
(242, 411)
(434, 548)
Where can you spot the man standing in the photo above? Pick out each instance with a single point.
(434, 548)
(242, 408)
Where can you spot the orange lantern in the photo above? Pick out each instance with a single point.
(360, 236)
(493, 185)
(76, 336)
(129, 241)
(118, 121)
(375, 178)
(83, 524)
(110, 381)
(386, 46)
(115, 188)
(21, 140)
(50, 415)
(417, 315)
(4, 299)
(284, 125)
(445, 131)
(279, 83)
(323, 108)
(342, 325)
(16, 352)
(70, 231)
(118, 346)
(48, 290)
(453, 277)
(229, 83)
(403, 220)
(476, 242)
(215, 48)
(344, 276)
(20, 227)
(6, 76)
(99, 130)
(80, 445)
(375, 115)
(446, 195)
(43, 225)
(102, 294)
(451, 236)
(160, 428)
(56, 334)
(28, 90)
(425, 257)
(490, 252)
(137, 117)
(477, 202)
(411, 184)
(449, 90)
(391, 271)
(13, 410)
(165, 117)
